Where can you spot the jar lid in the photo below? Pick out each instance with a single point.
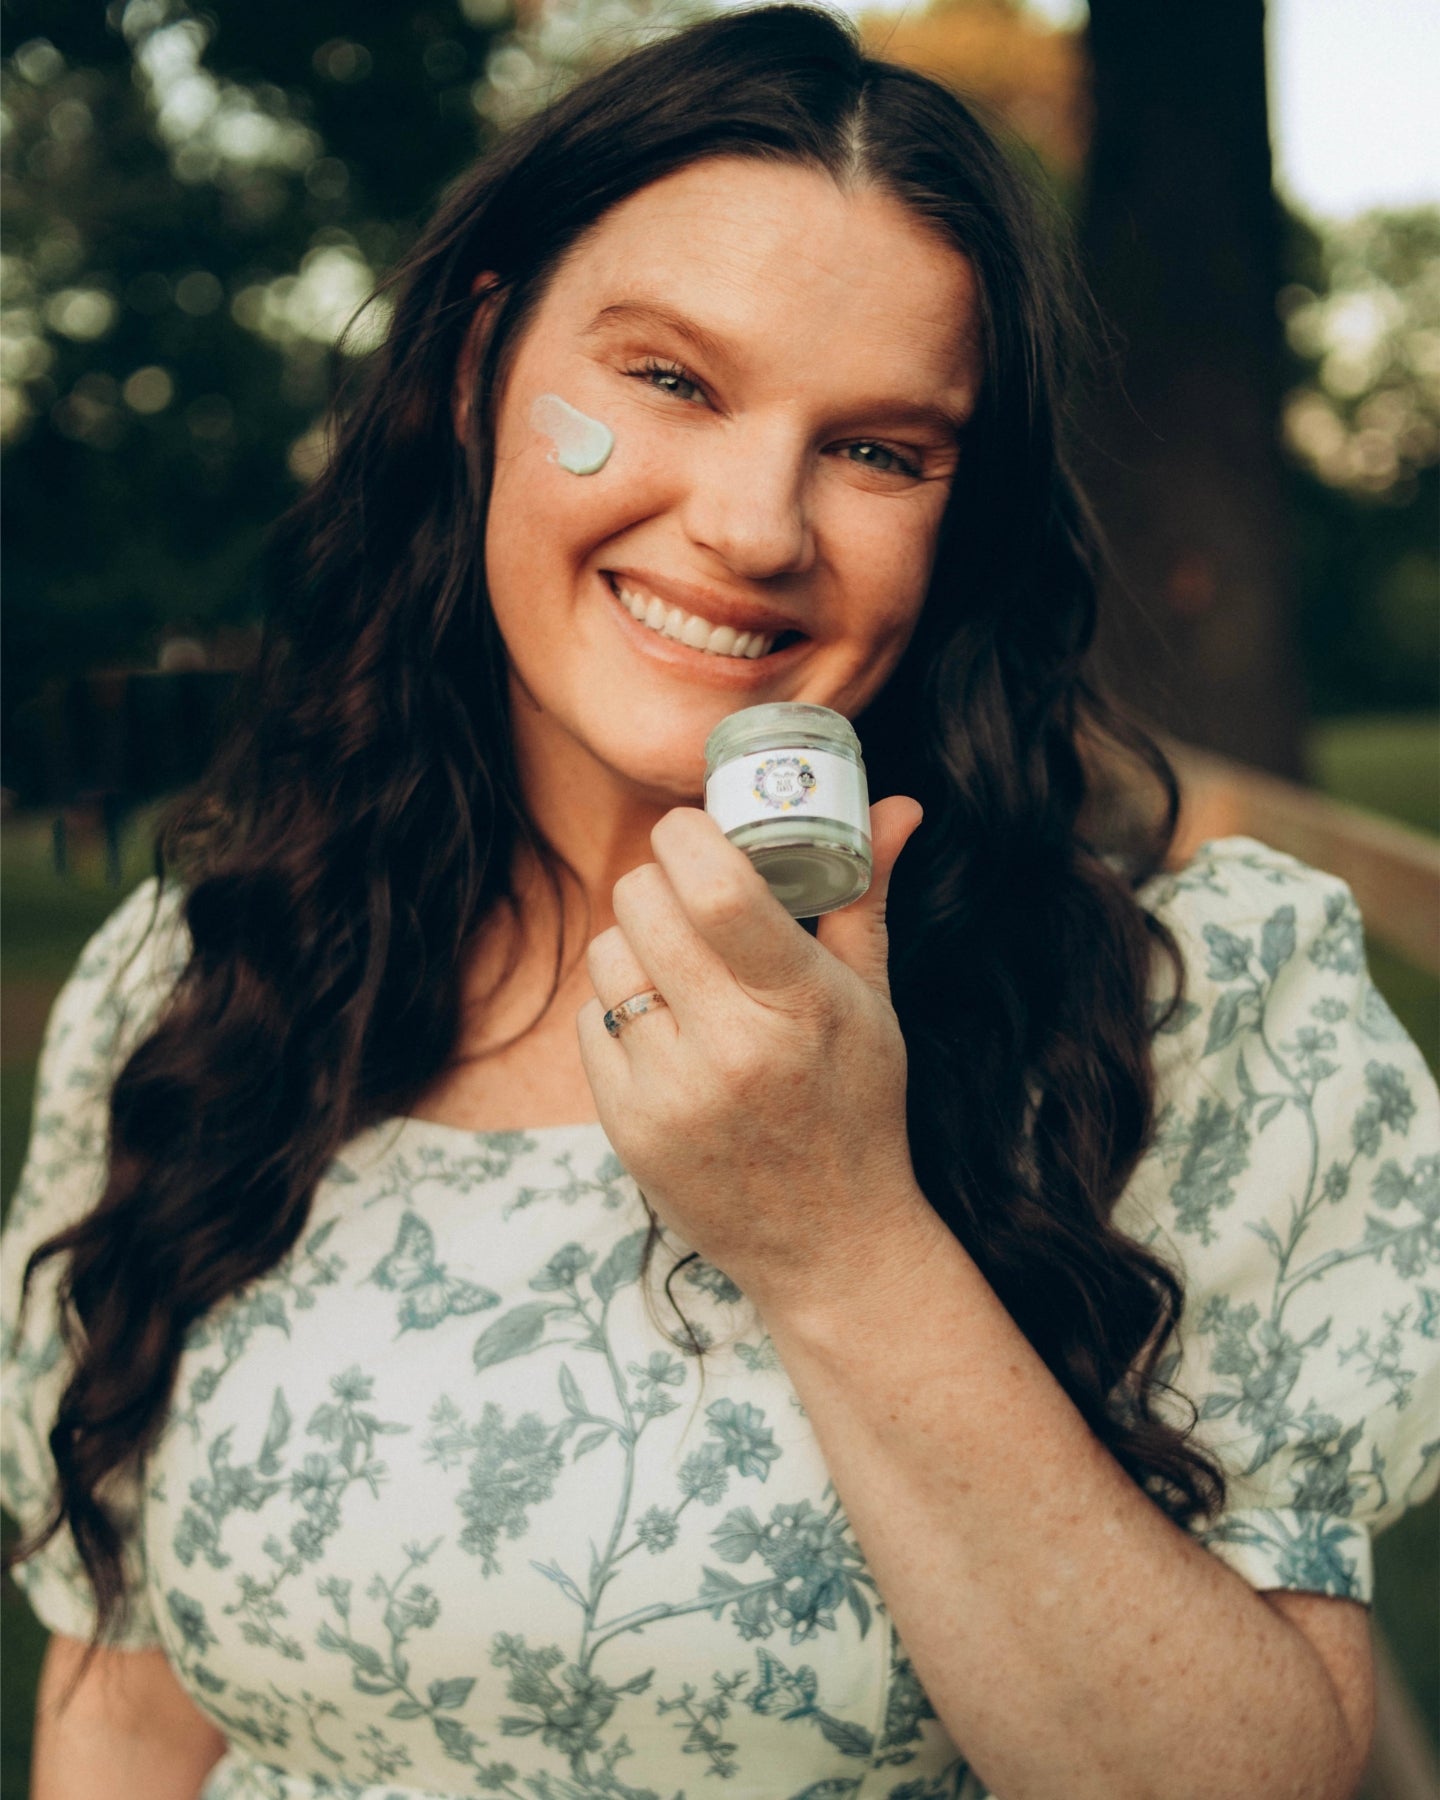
(790, 724)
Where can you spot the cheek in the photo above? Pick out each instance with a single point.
(884, 641)
(888, 568)
(540, 512)
(547, 527)
(576, 465)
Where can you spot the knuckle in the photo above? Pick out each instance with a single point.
(603, 951)
(737, 1062)
(604, 942)
(669, 825)
(633, 883)
(722, 900)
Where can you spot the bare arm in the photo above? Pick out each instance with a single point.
(1071, 1639)
(129, 1732)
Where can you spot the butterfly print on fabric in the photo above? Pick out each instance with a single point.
(430, 1295)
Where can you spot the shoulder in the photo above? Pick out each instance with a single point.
(135, 954)
(1282, 1042)
(1293, 1180)
(110, 1000)
(126, 967)
(107, 1005)
(1266, 940)
(1231, 886)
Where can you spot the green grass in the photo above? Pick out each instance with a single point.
(17, 1093)
(46, 917)
(22, 1644)
(1407, 1604)
(1389, 765)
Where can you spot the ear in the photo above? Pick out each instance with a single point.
(486, 287)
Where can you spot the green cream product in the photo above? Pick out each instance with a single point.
(786, 784)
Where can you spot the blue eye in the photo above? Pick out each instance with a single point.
(667, 372)
(900, 465)
(675, 380)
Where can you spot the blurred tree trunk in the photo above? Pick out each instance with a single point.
(1181, 236)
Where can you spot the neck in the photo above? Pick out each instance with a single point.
(599, 822)
(600, 825)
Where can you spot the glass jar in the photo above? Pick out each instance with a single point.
(786, 785)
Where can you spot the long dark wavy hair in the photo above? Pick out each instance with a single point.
(361, 824)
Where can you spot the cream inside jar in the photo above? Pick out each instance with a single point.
(786, 784)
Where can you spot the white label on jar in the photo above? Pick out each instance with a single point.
(787, 784)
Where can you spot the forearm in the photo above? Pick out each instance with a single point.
(127, 1733)
(1070, 1637)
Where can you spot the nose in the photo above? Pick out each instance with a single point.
(747, 503)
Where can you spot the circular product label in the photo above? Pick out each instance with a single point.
(780, 783)
(784, 782)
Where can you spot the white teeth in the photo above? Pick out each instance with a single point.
(688, 628)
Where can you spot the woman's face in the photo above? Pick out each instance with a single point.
(784, 369)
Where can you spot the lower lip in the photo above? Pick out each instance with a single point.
(734, 672)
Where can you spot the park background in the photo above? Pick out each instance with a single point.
(199, 197)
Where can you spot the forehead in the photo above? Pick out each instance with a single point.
(779, 260)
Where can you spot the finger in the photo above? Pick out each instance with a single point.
(615, 970)
(697, 986)
(617, 974)
(857, 933)
(728, 903)
(608, 1074)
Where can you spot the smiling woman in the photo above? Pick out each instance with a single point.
(1035, 1211)
(799, 464)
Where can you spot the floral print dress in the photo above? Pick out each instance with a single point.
(444, 1506)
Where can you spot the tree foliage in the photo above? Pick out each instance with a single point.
(195, 203)
(1361, 420)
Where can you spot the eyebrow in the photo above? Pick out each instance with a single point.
(653, 312)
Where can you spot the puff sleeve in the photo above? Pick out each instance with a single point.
(1294, 1182)
(105, 1007)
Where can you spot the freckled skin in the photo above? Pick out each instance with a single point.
(831, 302)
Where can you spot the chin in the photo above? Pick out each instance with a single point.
(662, 779)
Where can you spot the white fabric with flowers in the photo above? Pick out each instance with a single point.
(443, 1507)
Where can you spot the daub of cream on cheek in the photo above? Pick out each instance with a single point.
(582, 444)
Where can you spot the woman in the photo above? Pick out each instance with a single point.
(374, 1432)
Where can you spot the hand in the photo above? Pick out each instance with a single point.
(762, 1112)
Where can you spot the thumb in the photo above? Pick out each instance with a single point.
(856, 933)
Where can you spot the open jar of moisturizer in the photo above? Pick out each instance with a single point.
(786, 785)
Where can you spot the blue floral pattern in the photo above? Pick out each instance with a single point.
(444, 1503)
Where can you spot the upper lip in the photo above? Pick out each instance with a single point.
(741, 615)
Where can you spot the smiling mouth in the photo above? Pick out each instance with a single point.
(698, 633)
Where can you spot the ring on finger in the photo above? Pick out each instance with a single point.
(618, 1017)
